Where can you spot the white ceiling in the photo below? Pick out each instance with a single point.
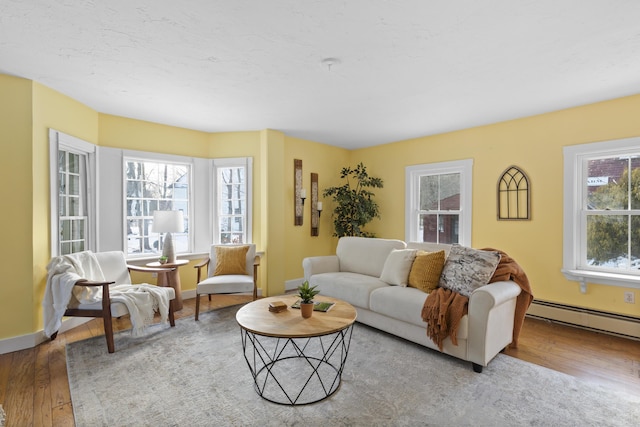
(406, 68)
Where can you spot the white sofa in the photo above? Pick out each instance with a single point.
(353, 275)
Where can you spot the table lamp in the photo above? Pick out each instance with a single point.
(168, 222)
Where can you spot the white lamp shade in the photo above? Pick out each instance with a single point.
(168, 222)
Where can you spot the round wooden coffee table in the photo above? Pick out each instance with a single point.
(293, 360)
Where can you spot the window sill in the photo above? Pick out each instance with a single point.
(142, 260)
(601, 278)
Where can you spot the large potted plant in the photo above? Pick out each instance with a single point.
(355, 206)
(306, 294)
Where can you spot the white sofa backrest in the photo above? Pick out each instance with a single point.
(365, 255)
(430, 247)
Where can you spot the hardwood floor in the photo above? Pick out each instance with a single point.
(34, 389)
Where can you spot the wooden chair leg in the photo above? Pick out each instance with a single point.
(108, 333)
(172, 318)
(198, 305)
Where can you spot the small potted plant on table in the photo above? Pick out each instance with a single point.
(306, 294)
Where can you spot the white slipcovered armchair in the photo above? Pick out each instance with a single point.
(229, 271)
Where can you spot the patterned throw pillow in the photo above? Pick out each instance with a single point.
(231, 260)
(396, 268)
(426, 269)
(468, 269)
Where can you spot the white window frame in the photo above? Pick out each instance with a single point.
(61, 141)
(216, 164)
(574, 236)
(412, 196)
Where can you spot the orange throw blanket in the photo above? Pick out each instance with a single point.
(444, 309)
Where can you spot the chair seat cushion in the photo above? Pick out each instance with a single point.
(229, 283)
(118, 309)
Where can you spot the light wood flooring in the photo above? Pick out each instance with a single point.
(34, 389)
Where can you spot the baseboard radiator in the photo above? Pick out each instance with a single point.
(599, 321)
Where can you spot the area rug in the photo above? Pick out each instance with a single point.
(195, 374)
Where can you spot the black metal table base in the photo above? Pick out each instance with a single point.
(296, 371)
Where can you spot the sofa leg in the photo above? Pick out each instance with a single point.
(477, 368)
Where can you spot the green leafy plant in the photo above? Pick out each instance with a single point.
(608, 235)
(355, 206)
(307, 293)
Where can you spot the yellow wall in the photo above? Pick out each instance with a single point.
(28, 109)
(51, 109)
(326, 161)
(535, 144)
(131, 134)
(16, 295)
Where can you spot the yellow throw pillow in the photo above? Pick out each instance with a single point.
(426, 269)
(231, 260)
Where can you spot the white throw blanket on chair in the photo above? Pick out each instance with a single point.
(142, 301)
(64, 271)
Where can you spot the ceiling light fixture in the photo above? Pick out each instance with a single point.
(330, 62)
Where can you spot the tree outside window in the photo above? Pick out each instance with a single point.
(152, 186)
(232, 214)
(72, 217)
(612, 210)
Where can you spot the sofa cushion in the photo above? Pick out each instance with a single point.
(405, 304)
(365, 255)
(397, 266)
(426, 269)
(467, 269)
(351, 287)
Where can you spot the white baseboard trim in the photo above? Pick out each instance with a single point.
(610, 323)
(191, 293)
(23, 342)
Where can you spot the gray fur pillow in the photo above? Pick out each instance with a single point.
(467, 269)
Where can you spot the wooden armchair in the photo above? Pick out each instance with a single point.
(218, 281)
(116, 272)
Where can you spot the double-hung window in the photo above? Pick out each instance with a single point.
(438, 202)
(72, 194)
(602, 213)
(155, 185)
(232, 180)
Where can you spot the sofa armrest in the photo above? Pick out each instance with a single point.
(494, 294)
(320, 264)
(491, 318)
